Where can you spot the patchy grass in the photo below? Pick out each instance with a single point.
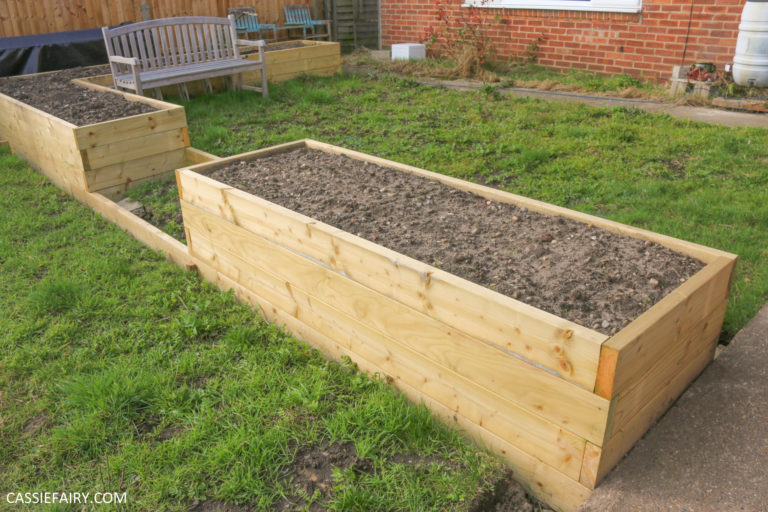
(121, 372)
(698, 182)
(514, 74)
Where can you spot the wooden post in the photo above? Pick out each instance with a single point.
(146, 11)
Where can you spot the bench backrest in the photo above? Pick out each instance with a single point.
(297, 14)
(169, 42)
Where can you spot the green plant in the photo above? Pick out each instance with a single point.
(461, 35)
(532, 50)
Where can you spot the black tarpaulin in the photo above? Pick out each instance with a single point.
(48, 52)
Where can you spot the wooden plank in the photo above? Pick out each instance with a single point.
(528, 431)
(636, 348)
(590, 465)
(700, 338)
(547, 484)
(198, 156)
(133, 170)
(131, 149)
(138, 228)
(115, 179)
(558, 345)
(117, 192)
(298, 66)
(541, 393)
(109, 132)
(45, 141)
(621, 442)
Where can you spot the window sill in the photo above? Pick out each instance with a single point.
(559, 5)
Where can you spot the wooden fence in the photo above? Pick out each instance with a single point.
(26, 17)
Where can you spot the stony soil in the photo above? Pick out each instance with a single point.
(55, 94)
(593, 277)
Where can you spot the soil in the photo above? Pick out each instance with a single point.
(55, 94)
(576, 271)
(505, 495)
(312, 470)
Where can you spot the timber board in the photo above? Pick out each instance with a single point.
(541, 393)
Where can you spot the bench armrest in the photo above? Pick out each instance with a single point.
(131, 61)
(248, 42)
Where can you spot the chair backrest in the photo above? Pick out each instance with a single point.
(246, 19)
(169, 42)
(297, 14)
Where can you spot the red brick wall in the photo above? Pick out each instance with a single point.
(645, 45)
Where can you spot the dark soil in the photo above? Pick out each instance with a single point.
(585, 274)
(55, 94)
(312, 470)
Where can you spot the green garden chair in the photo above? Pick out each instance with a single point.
(299, 16)
(247, 22)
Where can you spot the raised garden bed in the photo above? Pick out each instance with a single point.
(139, 139)
(283, 60)
(560, 401)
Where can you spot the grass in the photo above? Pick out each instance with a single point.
(121, 372)
(698, 182)
(515, 74)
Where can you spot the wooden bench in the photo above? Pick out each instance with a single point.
(152, 54)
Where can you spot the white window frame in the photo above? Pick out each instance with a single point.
(560, 5)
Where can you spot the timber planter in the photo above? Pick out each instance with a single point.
(561, 402)
(105, 157)
(318, 58)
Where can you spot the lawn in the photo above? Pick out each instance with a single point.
(120, 372)
(694, 181)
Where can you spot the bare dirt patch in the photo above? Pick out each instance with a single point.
(505, 495)
(312, 471)
(577, 271)
(55, 94)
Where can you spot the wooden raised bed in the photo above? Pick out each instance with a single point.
(319, 58)
(104, 157)
(561, 402)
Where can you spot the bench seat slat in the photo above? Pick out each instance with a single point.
(174, 75)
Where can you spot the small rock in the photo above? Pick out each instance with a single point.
(515, 218)
(546, 238)
(606, 324)
(653, 282)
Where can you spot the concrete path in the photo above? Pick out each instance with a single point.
(710, 451)
(703, 114)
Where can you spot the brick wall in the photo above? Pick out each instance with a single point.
(645, 45)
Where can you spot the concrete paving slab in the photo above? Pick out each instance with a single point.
(710, 451)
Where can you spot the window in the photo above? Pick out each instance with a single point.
(564, 5)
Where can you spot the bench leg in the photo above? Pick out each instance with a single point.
(183, 92)
(264, 87)
(207, 86)
(158, 93)
(230, 83)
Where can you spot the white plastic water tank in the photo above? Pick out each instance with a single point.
(750, 64)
